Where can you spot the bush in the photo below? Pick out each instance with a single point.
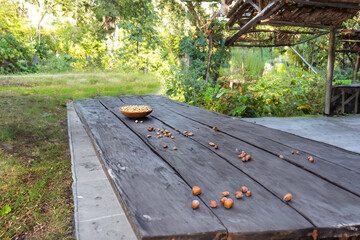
(62, 63)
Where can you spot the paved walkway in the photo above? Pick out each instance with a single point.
(98, 213)
(343, 132)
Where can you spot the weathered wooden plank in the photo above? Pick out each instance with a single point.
(316, 149)
(326, 205)
(338, 175)
(156, 199)
(260, 216)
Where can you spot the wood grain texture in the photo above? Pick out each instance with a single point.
(200, 166)
(323, 203)
(156, 199)
(343, 177)
(335, 155)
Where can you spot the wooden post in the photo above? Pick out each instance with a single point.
(356, 67)
(330, 70)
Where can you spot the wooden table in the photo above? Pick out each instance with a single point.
(154, 183)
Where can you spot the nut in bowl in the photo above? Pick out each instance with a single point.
(136, 111)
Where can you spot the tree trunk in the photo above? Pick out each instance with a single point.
(192, 11)
(356, 68)
(330, 70)
(210, 37)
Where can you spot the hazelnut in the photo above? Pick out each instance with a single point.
(243, 159)
(175, 148)
(228, 203)
(311, 160)
(216, 147)
(223, 199)
(292, 152)
(136, 121)
(287, 197)
(248, 193)
(215, 128)
(191, 134)
(211, 144)
(248, 157)
(213, 204)
(239, 194)
(195, 204)
(196, 190)
(149, 136)
(225, 194)
(244, 188)
(297, 152)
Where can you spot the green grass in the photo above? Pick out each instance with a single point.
(35, 176)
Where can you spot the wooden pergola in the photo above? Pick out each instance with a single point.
(323, 16)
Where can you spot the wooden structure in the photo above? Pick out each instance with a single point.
(345, 99)
(249, 15)
(154, 183)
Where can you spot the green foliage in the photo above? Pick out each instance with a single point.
(16, 50)
(5, 210)
(61, 63)
(247, 63)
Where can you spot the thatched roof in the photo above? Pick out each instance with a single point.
(248, 14)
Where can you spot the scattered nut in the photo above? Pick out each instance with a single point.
(150, 129)
(248, 193)
(281, 156)
(225, 194)
(158, 129)
(195, 204)
(292, 152)
(191, 134)
(141, 121)
(248, 157)
(239, 156)
(196, 190)
(185, 132)
(297, 152)
(228, 203)
(159, 136)
(243, 159)
(170, 134)
(175, 148)
(311, 159)
(244, 189)
(157, 133)
(215, 128)
(172, 137)
(166, 130)
(223, 200)
(136, 121)
(162, 131)
(239, 194)
(287, 197)
(213, 204)
(216, 147)
(165, 146)
(211, 144)
(177, 130)
(149, 136)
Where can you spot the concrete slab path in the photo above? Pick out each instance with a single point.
(343, 131)
(98, 213)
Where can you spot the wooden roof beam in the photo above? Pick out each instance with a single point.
(237, 14)
(234, 9)
(292, 24)
(277, 31)
(271, 8)
(302, 3)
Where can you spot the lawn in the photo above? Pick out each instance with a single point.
(35, 167)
